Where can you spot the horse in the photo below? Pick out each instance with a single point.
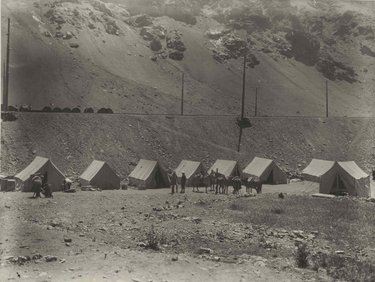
(200, 180)
(36, 182)
(221, 183)
(237, 184)
(253, 182)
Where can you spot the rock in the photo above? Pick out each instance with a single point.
(50, 258)
(139, 21)
(142, 244)
(59, 34)
(155, 45)
(74, 45)
(339, 252)
(174, 42)
(203, 250)
(235, 46)
(176, 55)
(37, 256)
(67, 240)
(175, 258)
(154, 58)
(68, 35)
(196, 220)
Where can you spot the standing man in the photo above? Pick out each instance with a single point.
(183, 182)
(174, 182)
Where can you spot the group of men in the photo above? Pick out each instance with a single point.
(174, 182)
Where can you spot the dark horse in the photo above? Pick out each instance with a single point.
(253, 182)
(200, 180)
(221, 184)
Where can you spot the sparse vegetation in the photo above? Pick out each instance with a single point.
(154, 239)
(302, 255)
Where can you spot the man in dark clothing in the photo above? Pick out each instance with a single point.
(37, 182)
(174, 182)
(183, 182)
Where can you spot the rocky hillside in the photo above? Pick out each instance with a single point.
(129, 55)
(72, 141)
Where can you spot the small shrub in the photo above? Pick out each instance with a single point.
(76, 110)
(66, 110)
(57, 110)
(302, 255)
(154, 239)
(277, 210)
(235, 207)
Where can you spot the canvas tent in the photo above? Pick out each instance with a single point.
(100, 174)
(149, 174)
(190, 168)
(316, 169)
(40, 165)
(226, 167)
(346, 177)
(266, 170)
(342, 177)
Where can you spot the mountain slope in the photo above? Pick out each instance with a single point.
(112, 65)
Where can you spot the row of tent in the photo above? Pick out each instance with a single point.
(333, 177)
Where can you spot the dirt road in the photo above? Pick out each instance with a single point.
(81, 232)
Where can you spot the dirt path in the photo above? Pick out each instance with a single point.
(90, 259)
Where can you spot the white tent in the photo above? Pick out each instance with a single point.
(226, 167)
(266, 170)
(190, 168)
(43, 166)
(100, 174)
(148, 174)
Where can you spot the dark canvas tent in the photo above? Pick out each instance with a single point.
(100, 174)
(226, 167)
(266, 170)
(148, 174)
(316, 169)
(40, 165)
(190, 168)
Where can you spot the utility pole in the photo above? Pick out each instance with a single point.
(326, 98)
(243, 100)
(182, 94)
(6, 81)
(256, 101)
(243, 86)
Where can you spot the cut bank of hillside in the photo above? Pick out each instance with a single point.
(72, 141)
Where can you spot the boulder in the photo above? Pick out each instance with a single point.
(202, 250)
(176, 55)
(155, 45)
(174, 42)
(73, 45)
(139, 20)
